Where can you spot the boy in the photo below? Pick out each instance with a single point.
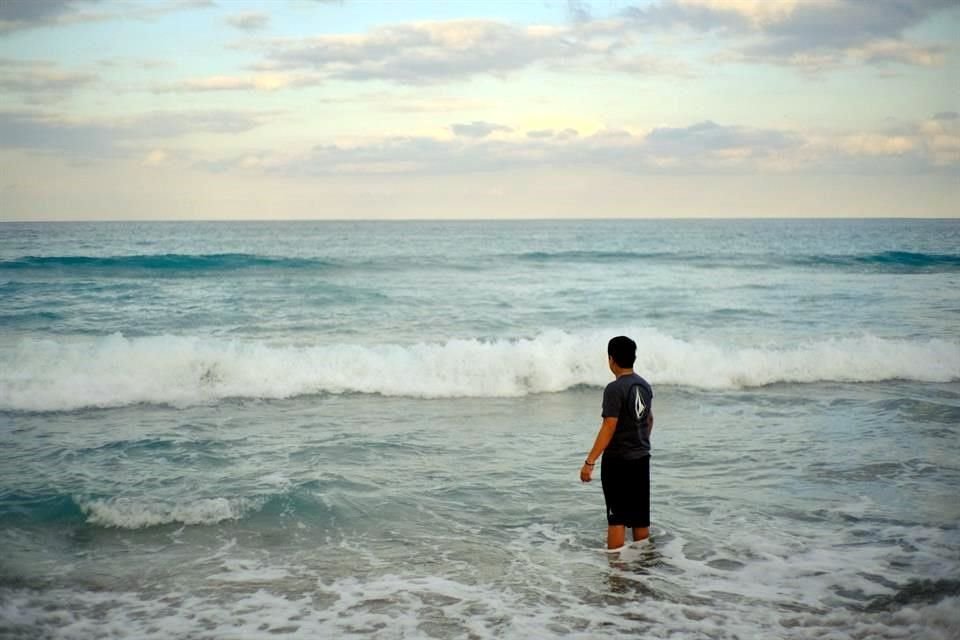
(624, 443)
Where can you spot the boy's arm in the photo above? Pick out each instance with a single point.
(607, 429)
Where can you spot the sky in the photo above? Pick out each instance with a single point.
(354, 109)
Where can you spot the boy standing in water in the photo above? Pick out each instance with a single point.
(624, 443)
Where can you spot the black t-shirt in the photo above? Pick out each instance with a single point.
(629, 398)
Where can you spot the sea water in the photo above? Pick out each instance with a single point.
(374, 430)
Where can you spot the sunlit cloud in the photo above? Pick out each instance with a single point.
(421, 53)
(704, 147)
(253, 82)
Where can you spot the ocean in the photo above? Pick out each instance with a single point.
(374, 429)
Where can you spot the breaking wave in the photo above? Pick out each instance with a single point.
(130, 513)
(112, 371)
(126, 512)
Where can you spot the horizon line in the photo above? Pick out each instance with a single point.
(467, 219)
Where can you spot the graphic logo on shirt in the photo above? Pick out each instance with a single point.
(639, 406)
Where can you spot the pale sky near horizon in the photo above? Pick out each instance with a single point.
(222, 109)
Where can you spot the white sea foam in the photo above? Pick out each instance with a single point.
(66, 374)
(553, 587)
(402, 607)
(130, 513)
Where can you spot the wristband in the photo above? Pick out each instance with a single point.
(589, 464)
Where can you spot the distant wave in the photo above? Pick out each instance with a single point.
(160, 262)
(594, 256)
(176, 263)
(886, 261)
(61, 374)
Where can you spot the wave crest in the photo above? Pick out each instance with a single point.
(128, 513)
(51, 375)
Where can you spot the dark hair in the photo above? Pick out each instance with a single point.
(623, 350)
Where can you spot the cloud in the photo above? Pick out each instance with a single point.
(255, 82)
(18, 14)
(249, 21)
(881, 52)
(546, 134)
(710, 137)
(22, 130)
(430, 105)
(795, 25)
(49, 132)
(579, 11)
(941, 138)
(164, 124)
(156, 158)
(756, 12)
(844, 24)
(703, 148)
(540, 134)
(38, 78)
(478, 129)
(30, 14)
(647, 65)
(877, 144)
(811, 34)
(421, 53)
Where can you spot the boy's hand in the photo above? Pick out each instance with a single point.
(586, 473)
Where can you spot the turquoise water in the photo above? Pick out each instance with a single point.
(374, 430)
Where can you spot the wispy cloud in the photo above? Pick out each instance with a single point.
(30, 14)
(50, 132)
(41, 80)
(249, 21)
(21, 14)
(701, 148)
(420, 53)
(813, 35)
(403, 104)
(478, 129)
(550, 134)
(810, 34)
(264, 81)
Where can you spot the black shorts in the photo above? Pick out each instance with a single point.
(626, 490)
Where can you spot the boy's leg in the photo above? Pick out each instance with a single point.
(616, 535)
(643, 500)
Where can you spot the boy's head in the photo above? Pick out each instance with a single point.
(623, 351)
